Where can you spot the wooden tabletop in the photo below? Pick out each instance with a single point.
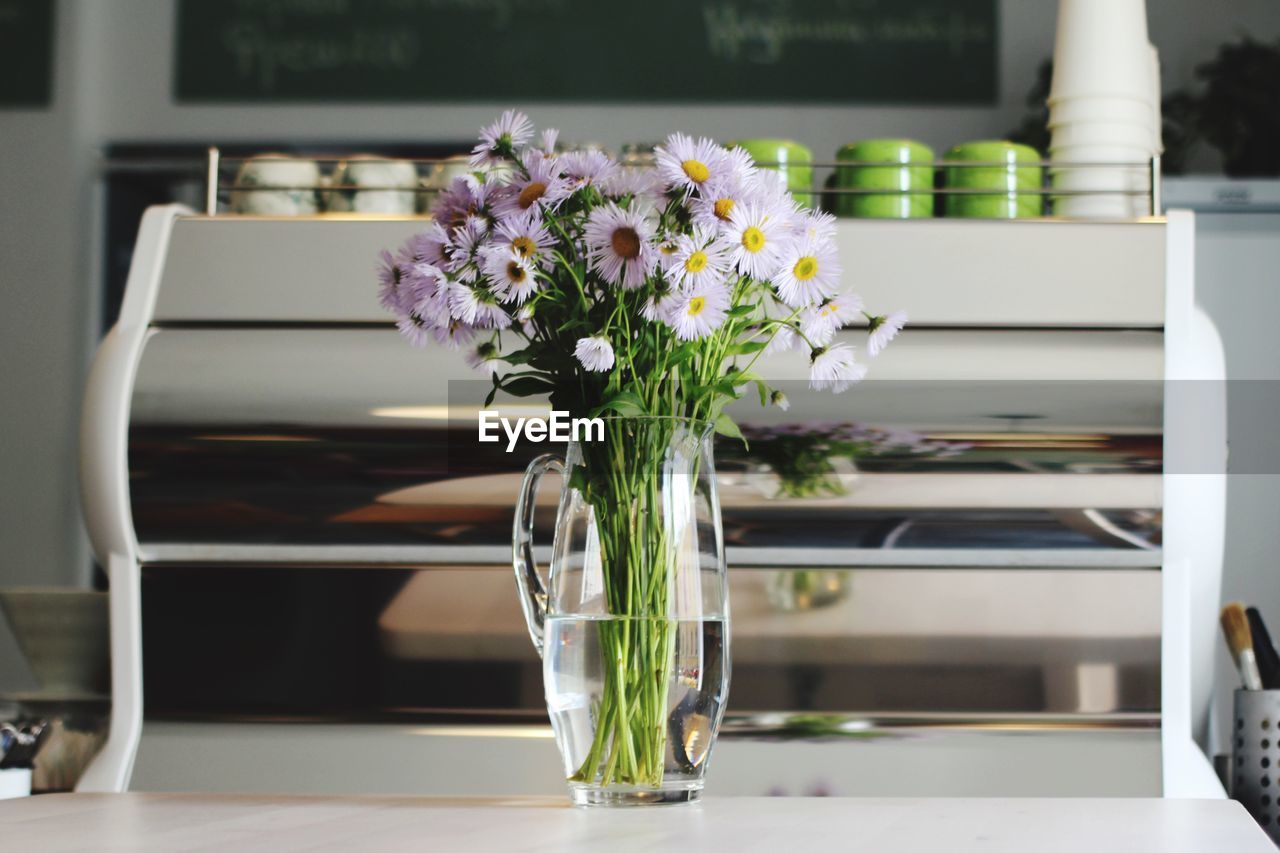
(190, 822)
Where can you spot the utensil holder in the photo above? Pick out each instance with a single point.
(1255, 757)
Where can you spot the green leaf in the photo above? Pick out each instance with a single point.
(626, 403)
(763, 388)
(726, 426)
(681, 355)
(747, 347)
(518, 357)
(527, 386)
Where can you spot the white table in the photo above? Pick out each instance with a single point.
(182, 822)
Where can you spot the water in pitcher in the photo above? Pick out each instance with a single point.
(672, 722)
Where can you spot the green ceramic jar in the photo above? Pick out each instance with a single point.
(1012, 201)
(909, 181)
(793, 160)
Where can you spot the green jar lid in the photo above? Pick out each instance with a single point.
(886, 151)
(993, 151)
(774, 150)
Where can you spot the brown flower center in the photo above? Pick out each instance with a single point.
(515, 272)
(531, 194)
(626, 243)
(523, 246)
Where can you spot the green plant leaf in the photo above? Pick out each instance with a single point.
(626, 403)
(726, 426)
(747, 347)
(527, 386)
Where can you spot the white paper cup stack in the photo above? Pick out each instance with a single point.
(1104, 109)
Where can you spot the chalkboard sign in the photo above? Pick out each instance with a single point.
(26, 53)
(521, 51)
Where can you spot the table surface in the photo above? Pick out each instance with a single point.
(182, 822)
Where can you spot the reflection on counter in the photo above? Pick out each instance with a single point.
(450, 643)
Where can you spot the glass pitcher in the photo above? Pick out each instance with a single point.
(633, 622)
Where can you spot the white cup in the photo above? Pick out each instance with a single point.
(1156, 94)
(291, 186)
(391, 184)
(1114, 188)
(1101, 49)
(1071, 110)
(1128, 134)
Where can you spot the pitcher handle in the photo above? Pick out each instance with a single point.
(533, 592)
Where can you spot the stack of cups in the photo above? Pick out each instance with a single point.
(1104, 109)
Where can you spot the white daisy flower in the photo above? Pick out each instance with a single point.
(816, 225)
(817, 329)
(477, 307)
(699, 310)
(698, 258)
(657, 308)
(549, 138)
(668, 248)
(512, 276)
(884, 329)
(834, 368)
(686, 164)
(642, 182)
(427, 247)
(808, 271)
(821, 322)
(541, 187)
(619, 245)
(415, 329)
(594, 353)
(463, 246)
(500, 139)
(391, 282)
(526, 236)
(785, 339)
(716, 201)
(737, 165)
(758, 235)
(455, 334)
(428, 289)
(587, 168)
(485, 358)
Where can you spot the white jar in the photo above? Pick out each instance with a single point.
(289, 186)
(374, 185)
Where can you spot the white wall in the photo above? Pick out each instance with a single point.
(113, 83)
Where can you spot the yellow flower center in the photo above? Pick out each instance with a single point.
(696, 170)
(753, 239)
(626, 243)
(515, 272)
(696, 262)
(531, 194)
(524, 246)
(696, 305)
(805, 268)
(723, 208)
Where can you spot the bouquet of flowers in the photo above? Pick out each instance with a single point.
(627, 291)
(622, 288)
